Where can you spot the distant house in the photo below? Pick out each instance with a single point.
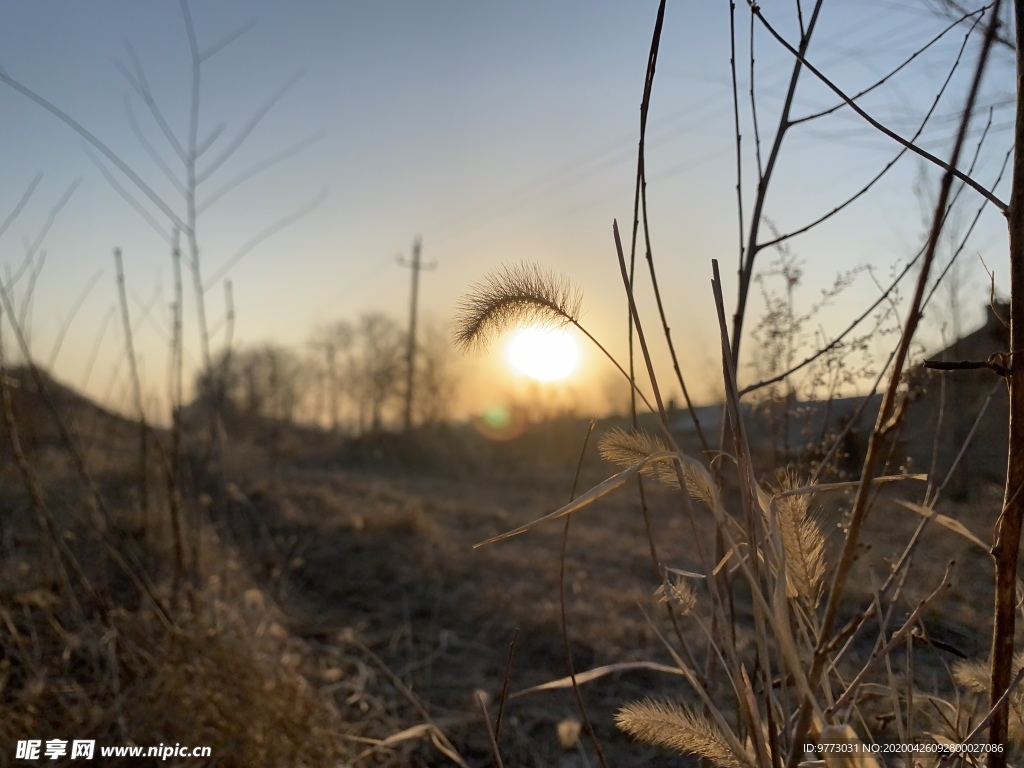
(682, 425)
(947, 404)
(943, 408)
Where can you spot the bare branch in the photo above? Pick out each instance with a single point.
(21, 204)
(988, 194)
(226, 41)
(248, 128)
(889, 414)
(258, 239)
(141, 86)
(864, 190)
(753, 108)
(52, 217)
(995, 363)
(66, 326)
(892, 73)
(78, 128)
(206, 143)
(747, 267)
(150, 149)
(832, 344)
(957, 7)
(257, 168)
(736, 123)
(127, 195)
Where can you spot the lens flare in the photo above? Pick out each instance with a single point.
(500, 422)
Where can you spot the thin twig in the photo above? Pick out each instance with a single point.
(133, 367)
(949, 168)
(17, 209)
(893, 72)
(504, 684)
(78, 128)
(888, 166)
(746, 271)
(491, 736)
(995, 362)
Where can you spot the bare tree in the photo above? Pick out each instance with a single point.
(331, 343)
(437, 385)
(260, 382)
(375, 368)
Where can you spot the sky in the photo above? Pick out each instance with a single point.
(496, 133)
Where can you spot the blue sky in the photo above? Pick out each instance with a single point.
(496, 132)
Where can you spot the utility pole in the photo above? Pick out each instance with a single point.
(410, 358)
(332, 384)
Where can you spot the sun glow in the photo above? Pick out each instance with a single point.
(545, 354)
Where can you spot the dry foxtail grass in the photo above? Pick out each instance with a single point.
(974, 675)
(785, 579)
(787, 670)
(522, 294)
(679, 594)
(628, 448)
(803, 545)
(668, 724)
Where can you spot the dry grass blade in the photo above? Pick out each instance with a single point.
(668, 724)
(847, 485)
(596, 673)
(945, 521)
(595, 493)
(481, 700)
(628, 447)
(893, 642)
(429, 727)
(525, 293)
(423, 730)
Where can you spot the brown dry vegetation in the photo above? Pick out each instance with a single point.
(287, 597)
(337, 601)
(329, 603)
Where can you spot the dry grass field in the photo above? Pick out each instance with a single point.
(335, 610)
(816, 574)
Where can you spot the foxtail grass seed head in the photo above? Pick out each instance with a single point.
(628, 448)
(973, 674)
(803, 544)
(678, 593)
(667, 724)
(523, 294)
(569, 731)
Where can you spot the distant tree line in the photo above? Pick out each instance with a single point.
(350, 377)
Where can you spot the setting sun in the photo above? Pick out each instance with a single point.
(545, 354)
